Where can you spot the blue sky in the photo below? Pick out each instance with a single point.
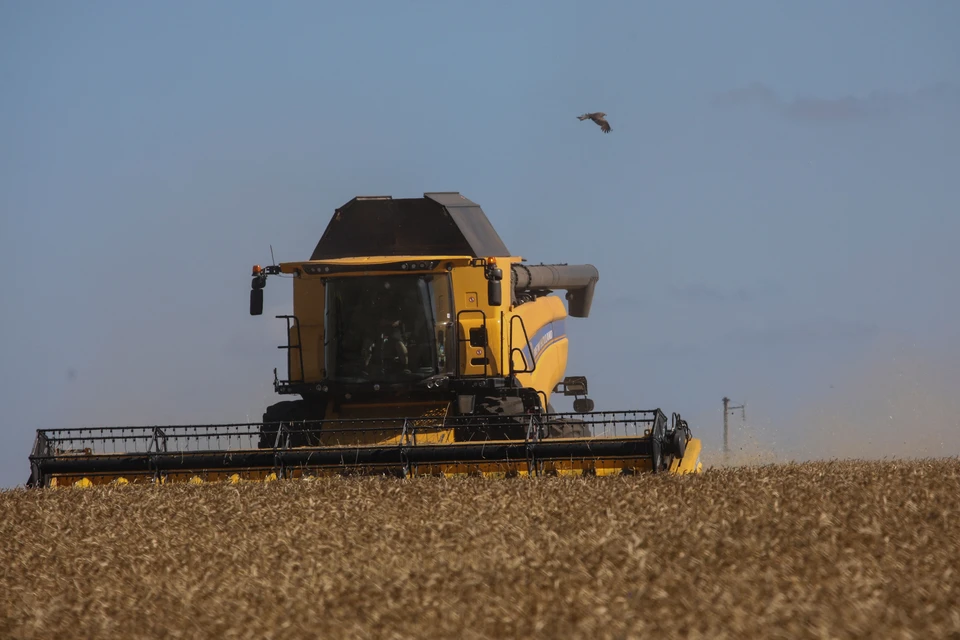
(774, 212)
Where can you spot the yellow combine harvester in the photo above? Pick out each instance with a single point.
(418, 345)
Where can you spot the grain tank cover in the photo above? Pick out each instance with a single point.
(440, 223)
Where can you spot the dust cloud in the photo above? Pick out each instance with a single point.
(898, 401)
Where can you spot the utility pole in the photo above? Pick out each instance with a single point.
(726, 412)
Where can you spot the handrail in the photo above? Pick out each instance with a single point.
(298, 347)
(526, 336)
(466, 339)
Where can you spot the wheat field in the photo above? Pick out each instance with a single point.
(839, 549)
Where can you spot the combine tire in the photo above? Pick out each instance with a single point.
(288, 412)
(568, 428)
(565, 427)
(504, 419)
(493, 419)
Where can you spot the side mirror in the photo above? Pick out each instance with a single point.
(256, 302)
(494, 293)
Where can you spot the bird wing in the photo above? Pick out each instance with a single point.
(604, 125)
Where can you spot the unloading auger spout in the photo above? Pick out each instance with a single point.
(578, 280)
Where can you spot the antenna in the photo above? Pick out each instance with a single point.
(273, 260)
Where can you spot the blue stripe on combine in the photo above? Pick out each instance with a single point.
(544, 337)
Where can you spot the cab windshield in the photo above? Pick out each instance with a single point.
(387, 328)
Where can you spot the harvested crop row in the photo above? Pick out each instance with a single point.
(832, 549)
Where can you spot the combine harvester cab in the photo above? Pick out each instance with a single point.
(417, 345)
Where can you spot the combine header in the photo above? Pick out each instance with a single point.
(418, 345)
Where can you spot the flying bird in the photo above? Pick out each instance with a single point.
(597, 117)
